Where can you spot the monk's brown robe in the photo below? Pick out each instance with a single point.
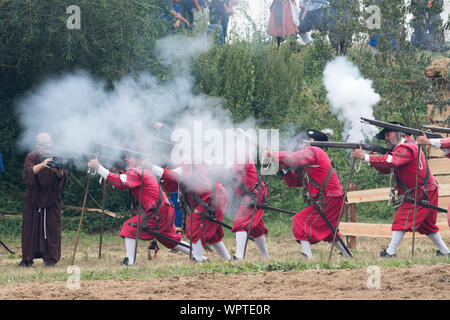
(41, 224)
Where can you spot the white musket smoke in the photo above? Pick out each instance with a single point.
(351, 97)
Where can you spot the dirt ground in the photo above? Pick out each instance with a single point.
(416, 282)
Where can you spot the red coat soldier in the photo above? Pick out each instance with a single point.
(311, 168)
(205, 198)
(248, 189)
(403, 163)
(159, 213)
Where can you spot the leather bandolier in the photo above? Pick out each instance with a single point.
(408, 194)
(320, 199)
(153, 211)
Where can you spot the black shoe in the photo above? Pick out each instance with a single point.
(49, 264)
(439, 253)
(125, 262)
(25, 263)
(384, 254)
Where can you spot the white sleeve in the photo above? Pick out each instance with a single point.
(367, 158)
(103, 172)
(435, 143)
(157, 171)
(179, 171)
(123, 178)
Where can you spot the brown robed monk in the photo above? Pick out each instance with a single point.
(41, 224)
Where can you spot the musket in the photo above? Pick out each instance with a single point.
(148, 230)
(160, 140)
(346, 145)
(333, 230)
(400, 128)
(437, 129)
(133, 152)
(266, 207)
(426, 205)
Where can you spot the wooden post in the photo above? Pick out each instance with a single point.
(351, 217)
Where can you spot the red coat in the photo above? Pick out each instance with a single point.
(246, 179)
(150, 196)
(445, 144)
(195, 180)
(404, 162)
(316, 164)
(308, 225)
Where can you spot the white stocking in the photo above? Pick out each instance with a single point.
(130, 246)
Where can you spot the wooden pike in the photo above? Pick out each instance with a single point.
(81, 217)
(255, 206)
(419, 148)
(101, 221)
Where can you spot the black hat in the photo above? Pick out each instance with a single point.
(380, 135)
(316, 135)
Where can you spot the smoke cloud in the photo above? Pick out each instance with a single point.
(86, 118)
(351, 97)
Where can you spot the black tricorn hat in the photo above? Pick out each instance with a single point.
(316, 135)
(380, 135)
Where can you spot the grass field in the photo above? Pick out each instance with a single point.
(284, 256)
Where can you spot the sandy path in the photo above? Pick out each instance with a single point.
(415, 282)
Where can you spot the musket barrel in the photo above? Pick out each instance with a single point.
(400, 128)
(348, 145)
(437, 129)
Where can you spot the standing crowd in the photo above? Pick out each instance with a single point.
(199, 16)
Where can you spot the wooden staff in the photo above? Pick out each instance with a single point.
(79, 183)
(101, 220)
(81, 217)
(419, 148)
(139, 215)
(259, 187)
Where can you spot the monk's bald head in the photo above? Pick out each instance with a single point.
(43, 142)
(43, 138)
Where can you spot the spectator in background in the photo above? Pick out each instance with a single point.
(220, 11)
(173, 14)
(427, 24)
(197, 13)
(312, 16)
(281, 23)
